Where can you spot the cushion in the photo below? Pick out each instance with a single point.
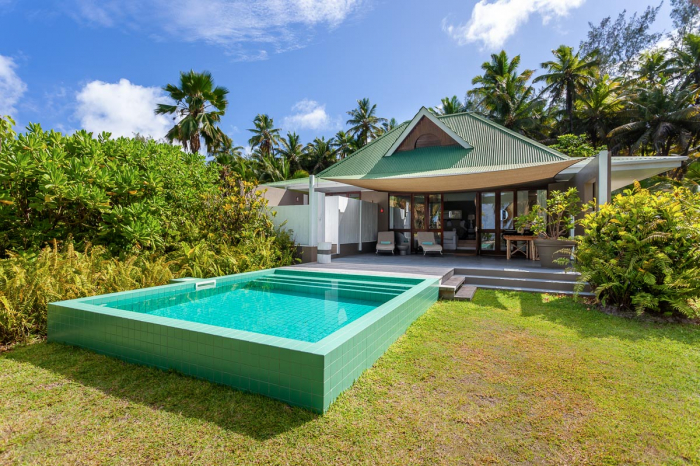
(427, 243)
(385, 242)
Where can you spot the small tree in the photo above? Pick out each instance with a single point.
(557, 219)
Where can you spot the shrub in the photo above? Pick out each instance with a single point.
(114, 192)
(642, 251)
(576, 146)
(28, 282)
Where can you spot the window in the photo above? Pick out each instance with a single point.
(427, 140)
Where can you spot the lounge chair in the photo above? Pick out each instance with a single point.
(385, 242)
(426, 240)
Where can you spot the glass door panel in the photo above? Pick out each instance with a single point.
(400, 212)
(487, 232)
(507, 221)
(419, 220)
(435, 209)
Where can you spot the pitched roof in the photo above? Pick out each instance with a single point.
(493, 148)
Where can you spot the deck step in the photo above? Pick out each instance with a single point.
(449, 287)
(553, 285)
(535, 290)
(520, 272)
(465, 293)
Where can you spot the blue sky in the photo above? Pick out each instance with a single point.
(99, 64)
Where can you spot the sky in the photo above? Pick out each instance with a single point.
(100, 64)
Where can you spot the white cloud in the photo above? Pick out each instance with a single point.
(11, 86)
(493, 22)
(309, 114)
(122, 109)
(236, 24)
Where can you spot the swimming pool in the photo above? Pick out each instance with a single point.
(299, 336)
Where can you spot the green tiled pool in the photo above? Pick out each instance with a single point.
(299, 336)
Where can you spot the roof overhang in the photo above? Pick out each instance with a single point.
(627, 170)
(425, 113)
(540, 173)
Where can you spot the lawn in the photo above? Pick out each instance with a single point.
(508, 378)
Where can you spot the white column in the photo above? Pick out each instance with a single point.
(360, 227)
(604, 180)
(313, 212)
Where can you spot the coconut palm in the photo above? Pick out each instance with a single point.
(319, 155)
(273, 169)
(449, 106)
(499, 73)
(265, 136)
(292, 150)
(225, 152)
(344, 144)
(685, 63)
(567, 75)
(364, 123)
(598, 108)
(653, 65)
(199, 106)
(660, 118)
(519, 109)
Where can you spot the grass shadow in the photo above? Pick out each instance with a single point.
(253, 415)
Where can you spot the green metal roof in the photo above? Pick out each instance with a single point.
(494, 148)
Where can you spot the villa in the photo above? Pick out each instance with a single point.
(462, 177)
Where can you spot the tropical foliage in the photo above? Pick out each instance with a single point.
(557, 219)
(198, 108)
(641, 251)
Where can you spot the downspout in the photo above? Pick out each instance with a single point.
(360, 224)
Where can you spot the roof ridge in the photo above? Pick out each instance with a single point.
(361, 149)
(515, 134)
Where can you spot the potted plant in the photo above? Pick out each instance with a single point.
(553, 226)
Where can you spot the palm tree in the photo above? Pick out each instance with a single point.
(199, 106)
(292, 150)
(224, 151)
(599, 107)
(273, 169)
(449, 106)
(498, 74)
(344, 144)
(568, 74)
(685, 63)
(319, 155)
(265, 135)
(653, 65)
(660, 118)
(505, 96)
(364, 123)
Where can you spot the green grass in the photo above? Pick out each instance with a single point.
(509, 378)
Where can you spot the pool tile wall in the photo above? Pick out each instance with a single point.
(310, 375)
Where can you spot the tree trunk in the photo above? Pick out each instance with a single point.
(570, 106)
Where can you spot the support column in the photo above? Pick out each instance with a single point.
(313, 212)
(604, 182)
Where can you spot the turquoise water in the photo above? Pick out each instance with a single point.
(304, 308)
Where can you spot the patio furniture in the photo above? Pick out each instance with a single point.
(426, 240)
(450, 240)
(385, 242)
(528, 249)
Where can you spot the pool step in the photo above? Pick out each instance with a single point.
(348, 284)
(321, 288)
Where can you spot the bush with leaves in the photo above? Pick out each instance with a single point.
(642, 251)
(576, 146)
(120, 193)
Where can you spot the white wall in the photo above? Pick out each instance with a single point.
(338, 220)
(297, 220)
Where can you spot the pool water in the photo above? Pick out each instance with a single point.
(295, 306)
